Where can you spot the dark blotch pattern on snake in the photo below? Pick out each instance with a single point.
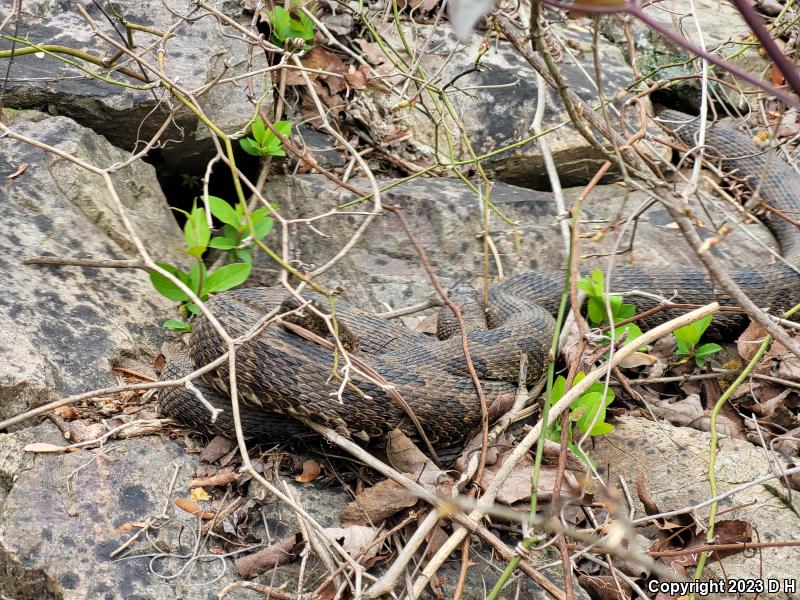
(280, 374)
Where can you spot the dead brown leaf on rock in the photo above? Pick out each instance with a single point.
(20, 170)
(280, 553)
(605, 587)
(357, 540)
(517, 485)
(219, 479)
(218, 447)
(378, 502)
(44, 448)
(193, 506)
(320, 59)
(311, 471)
(404, 455)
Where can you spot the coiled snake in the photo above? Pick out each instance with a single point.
(280, 374)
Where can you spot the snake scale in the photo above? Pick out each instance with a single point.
(281, 374)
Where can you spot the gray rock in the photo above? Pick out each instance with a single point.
(446, 218)
(61, 328)
(674, 461)
(200, 51)
(724, 33)
(66, 513)
(496, 103)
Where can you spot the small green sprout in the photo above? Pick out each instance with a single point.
(587, 408)
(264, 142)
(594, 287)
(688, 338)
(236, 240)
(285, 27)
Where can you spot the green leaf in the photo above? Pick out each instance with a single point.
(284, 128)
(259, 130)
(699, 361)
(596, 310)
(559, 386)
(602, 429)
(250, 146)
(224, 212)
(707, 349)
(615, 303)
(196, 232)
(625, 311)
(244, 254)
(262, 227)
(175, 325)
(191, 308)
(223, 243)
(227, 277)
(694, 331)
(586, 285)
(165, 287)
(683, 348)
(197, 277)
(281, 23)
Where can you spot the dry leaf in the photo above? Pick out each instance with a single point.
(355, 539)
(272, 556)
(218, 447)
(357, 79)
(749, 341)
(193, 507)
(376, 503)
(403, 455)
(66, 412)
(638, 359)
(428, 324)
(517, 485)
(200, 495)
(20, 170)
(44, 448)
(311, 470)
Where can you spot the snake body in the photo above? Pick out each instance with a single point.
(281, 375)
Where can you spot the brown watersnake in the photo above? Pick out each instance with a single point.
(280, 374)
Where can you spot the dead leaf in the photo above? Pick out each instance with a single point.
(311, 471)
(428, 324)
(749, 341)
(278, 554)
(216, 480)
(218, 447)
(376, 503)
(44, 448)
(776, 75)
(372, 52)
(20, 170)
(357, 79)
(356, 540)
(404, 455)
(604, 587)
(193, 507)
(200, 495)
(66, 412)
(517, 485)
(638, 359)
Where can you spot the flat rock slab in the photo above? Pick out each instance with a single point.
(496, 102)
(64, 514)
(445, 216)
(61, 328)
(724, 33)
(674, 461)
(198, 53)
